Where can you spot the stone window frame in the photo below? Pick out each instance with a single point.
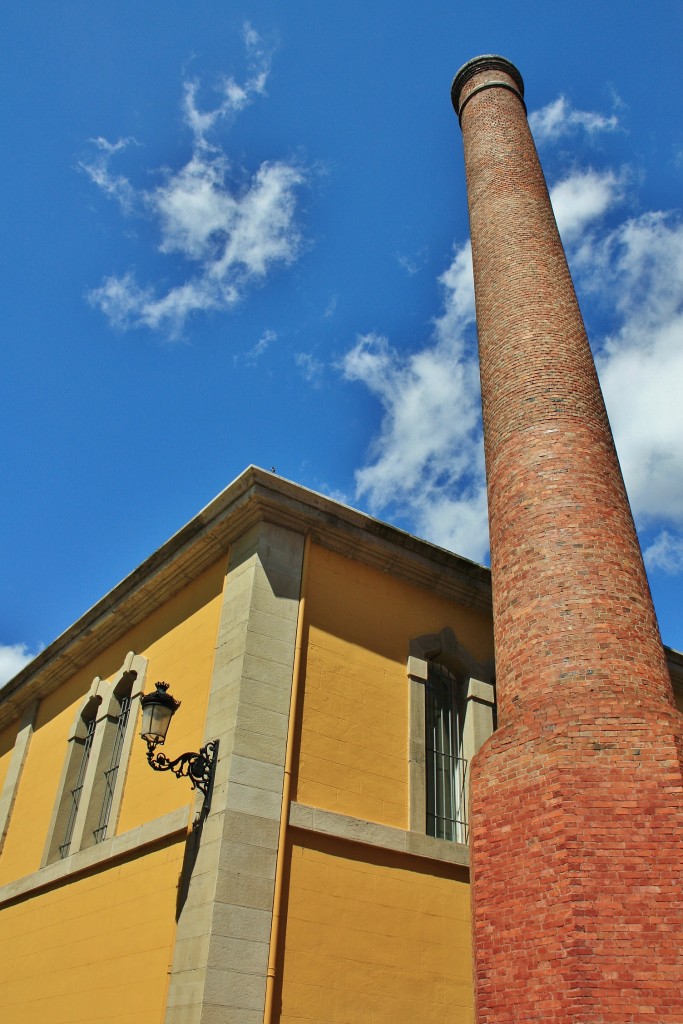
(445, 763)
(103, 699)
(16, 767)
(479, 710)
(78, 759)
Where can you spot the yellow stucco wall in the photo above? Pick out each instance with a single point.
(178, 640)
(373, 936)
(354, 722)
(97, 948)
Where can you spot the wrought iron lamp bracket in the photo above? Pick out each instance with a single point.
(197, 766)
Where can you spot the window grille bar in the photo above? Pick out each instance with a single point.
(77, 790)
(446, 768)
(112, 771)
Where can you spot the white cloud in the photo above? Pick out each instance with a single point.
(427, 463)
(665, 553)
(312, 369)
(121, 299)
(632, 272)
(235, 97)
(457, 282)
(13, 657)
(264, 342)
(330, 308)
(228, 235)
(582, 198)
(641, 361)
(415, 263)
(115, 186)
(559, 118)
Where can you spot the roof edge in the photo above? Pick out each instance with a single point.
(253, 496)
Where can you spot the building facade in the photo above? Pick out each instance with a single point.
(347, 670)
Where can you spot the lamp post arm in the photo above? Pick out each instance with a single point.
(197, 766)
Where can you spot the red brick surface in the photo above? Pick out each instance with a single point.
(577, 800)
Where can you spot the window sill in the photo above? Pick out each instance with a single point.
(357, 830)
(95, 856)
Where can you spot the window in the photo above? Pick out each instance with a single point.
(91, 787)
(445, 767)
(80, 755)
(117, 729)
(452, 708)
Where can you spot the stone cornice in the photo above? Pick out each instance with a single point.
(487, 62)
(254, 496)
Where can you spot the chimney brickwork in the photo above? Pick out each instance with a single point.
(577, 799)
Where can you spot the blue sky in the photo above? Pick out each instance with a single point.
(237, 233)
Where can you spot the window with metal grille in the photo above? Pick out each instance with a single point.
(111, 772)
(77, 790)
(446, 768)
(90, 790)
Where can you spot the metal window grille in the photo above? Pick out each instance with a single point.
(75, 794)
(112, 771)
(445, 765)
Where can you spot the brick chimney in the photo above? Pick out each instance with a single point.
(577, 799)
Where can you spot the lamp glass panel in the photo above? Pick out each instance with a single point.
(155, 721)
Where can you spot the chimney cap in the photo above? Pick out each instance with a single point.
(487, 62)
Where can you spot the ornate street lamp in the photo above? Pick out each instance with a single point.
(158, 708)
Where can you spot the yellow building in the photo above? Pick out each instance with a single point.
(346, 669)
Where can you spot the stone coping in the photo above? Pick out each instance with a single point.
(171, 824)
(370, 833)
(254, 496)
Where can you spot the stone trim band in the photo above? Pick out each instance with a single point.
(487, 62)
(489, 85)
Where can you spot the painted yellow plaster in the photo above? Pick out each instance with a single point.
(96, 948)
(181, 653)
(373, 936)
(178, 640)
(354, 718)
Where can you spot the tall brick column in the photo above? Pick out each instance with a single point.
(577, 799)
